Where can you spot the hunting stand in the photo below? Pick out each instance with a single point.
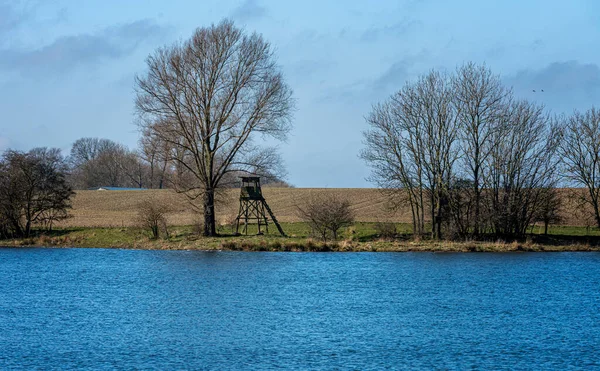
(253, 207)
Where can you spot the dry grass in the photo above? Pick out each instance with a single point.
(183, 239)
(118, 208)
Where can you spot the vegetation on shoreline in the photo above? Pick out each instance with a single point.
(358, 237)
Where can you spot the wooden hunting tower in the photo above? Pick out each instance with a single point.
(253, 207)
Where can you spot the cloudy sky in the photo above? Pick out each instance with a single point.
(67, 67)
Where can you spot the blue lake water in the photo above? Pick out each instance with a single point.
(109, 308)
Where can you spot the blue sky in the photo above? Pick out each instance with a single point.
(67, 67)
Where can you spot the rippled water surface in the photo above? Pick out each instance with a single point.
(97, 308)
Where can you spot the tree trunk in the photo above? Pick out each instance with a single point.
(477, 205)
(596, 209)
(209, 213)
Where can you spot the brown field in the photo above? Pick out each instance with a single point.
(118, 208)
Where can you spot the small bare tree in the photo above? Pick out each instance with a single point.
(207, 99)
(326, 214)
(152, 215)
(580, 153)
(549, 209)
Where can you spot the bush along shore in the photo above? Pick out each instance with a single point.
(360, 237)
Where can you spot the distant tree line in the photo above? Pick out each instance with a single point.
(98, 162)
(469, 158)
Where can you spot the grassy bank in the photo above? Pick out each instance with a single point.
(359, 237)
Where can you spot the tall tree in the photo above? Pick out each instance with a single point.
(521, 167)
(481, 100)
(208, 98)
(411, 147)
(580, 152)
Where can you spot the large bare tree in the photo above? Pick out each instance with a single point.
(412, 147)
(209, 98)
(520, 168)
(481, 100)
(580, 152)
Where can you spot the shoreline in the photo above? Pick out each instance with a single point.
(281, 244)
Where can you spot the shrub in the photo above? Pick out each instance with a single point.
(152, 215)
(326, 214)
(385, 230)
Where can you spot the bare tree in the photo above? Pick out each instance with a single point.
(96, 162)
(135, 171)
(156, 154)
(549, 210)
(99, 162)
(520, 168)
(481, 99)
(152, 215)
(580, 152)
(412, 147)
(33, 190)
(209, 98)
(326, 214)
(88, 149)
(392, 168)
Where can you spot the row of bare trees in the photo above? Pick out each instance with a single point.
(580, 156)
(96, 162)
(469, 158)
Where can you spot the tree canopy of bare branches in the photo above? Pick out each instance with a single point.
(520, 168)
(326, 214)
(412, 146)
(463, 153)
(208, 99)
(97, 162)
(481, 100)
(580, 151)
(33, 190)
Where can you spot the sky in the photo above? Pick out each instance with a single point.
(67, 68)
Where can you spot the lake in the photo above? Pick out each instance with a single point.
(112, 308)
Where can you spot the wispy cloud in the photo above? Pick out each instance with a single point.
(566, 85)
(68, 52)
(249, 10)
(562, 76)
(374, 34)
(400, 71)
(10, 17)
